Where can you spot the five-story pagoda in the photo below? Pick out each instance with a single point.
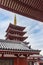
(15, 32)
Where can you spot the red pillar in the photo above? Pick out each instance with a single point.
(23, 61)
(17, 60)
(20, 61)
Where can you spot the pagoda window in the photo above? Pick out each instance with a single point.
(12, 32)
(20, 39)
(16, 33)
(11, 38)
(16, 39)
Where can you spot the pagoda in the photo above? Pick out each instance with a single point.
(15, 51)
(15, 32)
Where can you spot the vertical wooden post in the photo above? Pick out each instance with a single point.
(17, 60)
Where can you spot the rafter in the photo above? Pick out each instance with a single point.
(32, 9)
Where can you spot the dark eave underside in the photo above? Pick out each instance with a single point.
(20, 28)
(12, 36)
(29, 8)
(12, 31)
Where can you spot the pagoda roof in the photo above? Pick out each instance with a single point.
(15, 31)
(15, 46)
(12, 36)
(20, 28)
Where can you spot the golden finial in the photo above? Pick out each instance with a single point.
(15, 20)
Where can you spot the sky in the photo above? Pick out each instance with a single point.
(34, 28)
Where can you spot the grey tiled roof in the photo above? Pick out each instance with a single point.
(12, 45)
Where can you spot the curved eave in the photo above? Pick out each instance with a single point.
(16, 26)
(10, 30)
(15, 36)
(20, 28)
(10, 51)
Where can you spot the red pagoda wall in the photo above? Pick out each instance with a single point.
(20, 61)
(15, 61)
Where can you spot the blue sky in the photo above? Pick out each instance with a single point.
(34, 28)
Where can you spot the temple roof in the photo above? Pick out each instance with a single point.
(20, 28)
(15, 45)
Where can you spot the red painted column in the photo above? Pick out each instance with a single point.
(17, 60)
(23, 61)
(26, 61)
(20, 61)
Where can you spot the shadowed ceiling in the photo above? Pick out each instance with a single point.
(29, 8)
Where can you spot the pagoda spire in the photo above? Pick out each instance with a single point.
(15, 20)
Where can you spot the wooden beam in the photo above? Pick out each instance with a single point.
(22, 9)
